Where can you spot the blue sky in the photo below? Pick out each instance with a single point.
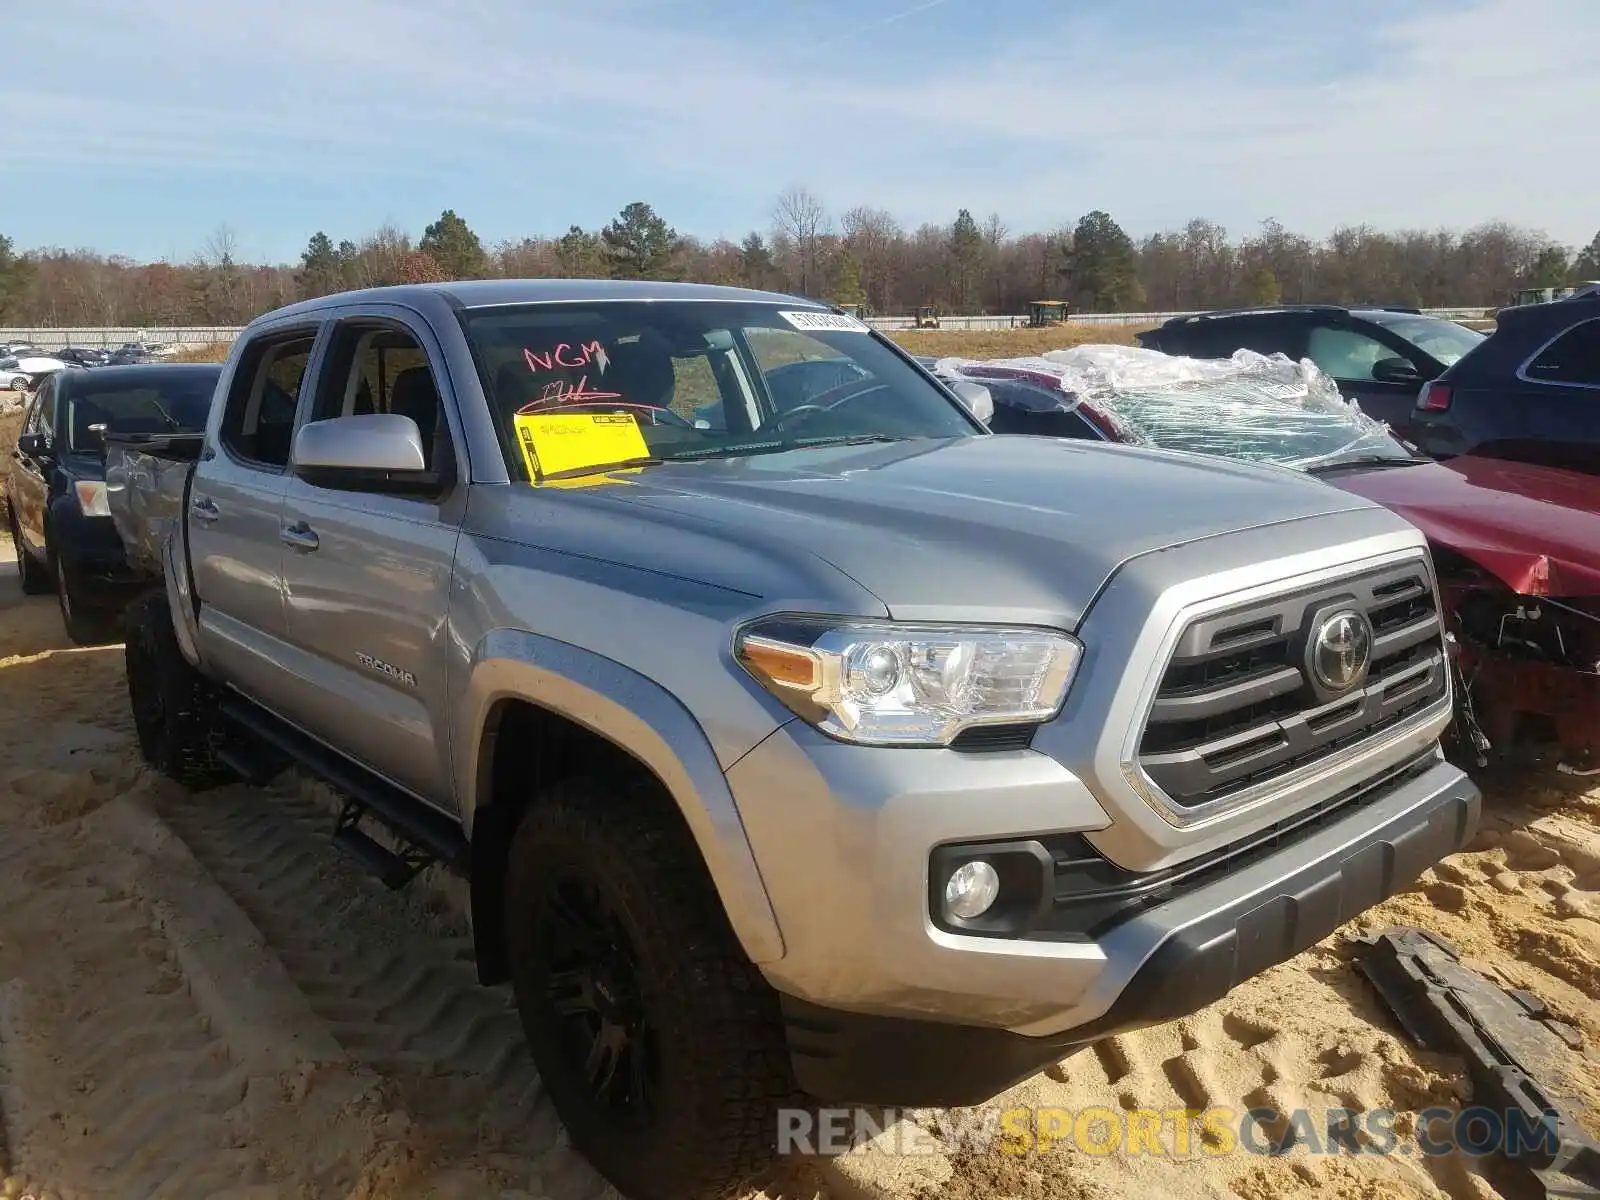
(139, 129)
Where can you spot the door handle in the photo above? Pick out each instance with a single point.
(204, 508)
(299, 536)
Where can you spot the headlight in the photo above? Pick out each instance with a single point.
(887, 684)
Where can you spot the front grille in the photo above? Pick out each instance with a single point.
(1237, 706)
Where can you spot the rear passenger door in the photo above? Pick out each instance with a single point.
(367, 576)
(1554, 417)
(235, 549)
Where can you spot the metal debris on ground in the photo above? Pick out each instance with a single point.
(1514, 1048)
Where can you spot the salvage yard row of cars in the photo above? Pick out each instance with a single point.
(23, 365)
(811, 722)
(1496, 460)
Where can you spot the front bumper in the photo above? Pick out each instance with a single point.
(886, 1008)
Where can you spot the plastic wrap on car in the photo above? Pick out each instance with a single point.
(1263, 408)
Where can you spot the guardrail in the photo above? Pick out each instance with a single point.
(1018, 320)
(110, 337)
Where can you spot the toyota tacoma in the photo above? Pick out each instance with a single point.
(801, 740)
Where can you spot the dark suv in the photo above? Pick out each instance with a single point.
(1530, 392)
(1380, 357)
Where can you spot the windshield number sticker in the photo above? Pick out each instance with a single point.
(825, 322)
(554, 442)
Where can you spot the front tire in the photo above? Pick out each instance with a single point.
(181, 734)
(659, 1043)
(84, 626)
(32, 575)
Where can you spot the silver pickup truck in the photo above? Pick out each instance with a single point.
(801, 740)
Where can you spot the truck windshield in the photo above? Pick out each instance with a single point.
(704, 379)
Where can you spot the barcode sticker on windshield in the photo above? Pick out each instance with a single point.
(824, 322)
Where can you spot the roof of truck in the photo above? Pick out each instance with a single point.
(480, 293)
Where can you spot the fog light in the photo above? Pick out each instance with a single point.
(972, 888)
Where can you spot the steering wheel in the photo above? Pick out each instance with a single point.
(853, 389)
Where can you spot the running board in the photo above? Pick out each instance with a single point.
(252, 761)
(395, 868)
(427, 834)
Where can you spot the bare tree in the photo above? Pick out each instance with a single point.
(221, 249)
(871, 234)
(995, 234)
(800, 220)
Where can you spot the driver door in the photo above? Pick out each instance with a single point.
(30, 477)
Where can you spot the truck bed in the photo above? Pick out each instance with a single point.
(145, 479)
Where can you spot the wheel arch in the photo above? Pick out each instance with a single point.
(537, 710)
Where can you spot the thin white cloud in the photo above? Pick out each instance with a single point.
(894, 18)
(1447, 116)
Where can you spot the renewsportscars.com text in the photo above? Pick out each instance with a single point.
(1169, 1132)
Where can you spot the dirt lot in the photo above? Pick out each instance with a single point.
(1005, 343)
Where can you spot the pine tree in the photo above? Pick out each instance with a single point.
(321, 269)
(451, 244)
(640, 245)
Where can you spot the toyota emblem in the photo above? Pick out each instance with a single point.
(1341, 650)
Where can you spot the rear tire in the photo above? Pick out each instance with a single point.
(661, 1046)
(181, 733)
(33, 575)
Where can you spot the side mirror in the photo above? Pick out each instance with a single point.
(976, 397)
(371, 452)
(98, 432)
(1395, 370)
(34, 445)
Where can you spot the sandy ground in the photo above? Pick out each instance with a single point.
(199, 996)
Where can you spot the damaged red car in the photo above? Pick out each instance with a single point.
(1516, 546)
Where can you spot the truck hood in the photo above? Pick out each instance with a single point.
(1536, 529)
(985, 527)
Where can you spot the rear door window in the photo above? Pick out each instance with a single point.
(1573, 358)
(258, 423)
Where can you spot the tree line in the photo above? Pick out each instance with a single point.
(862, 255)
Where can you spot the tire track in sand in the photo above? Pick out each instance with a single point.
(143, 1100)
(400, 1000)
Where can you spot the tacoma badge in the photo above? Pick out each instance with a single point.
(383, 668)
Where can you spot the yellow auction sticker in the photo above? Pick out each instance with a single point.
(556, 442)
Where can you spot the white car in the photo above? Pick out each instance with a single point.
(20, 374)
